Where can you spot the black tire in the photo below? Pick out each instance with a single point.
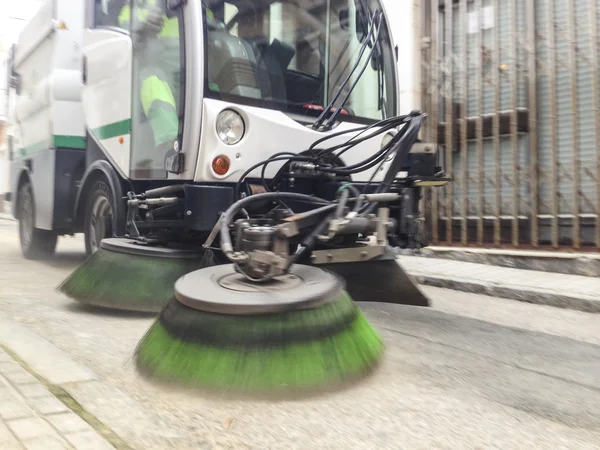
(98, 215)
(35, 243)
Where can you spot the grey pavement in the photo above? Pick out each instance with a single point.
(31, 417)
(553, 289)
(5, 213)
(473, 372)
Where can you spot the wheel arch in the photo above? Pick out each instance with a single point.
(102, 170)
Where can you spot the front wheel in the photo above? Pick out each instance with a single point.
(98, 215)
(35, 243)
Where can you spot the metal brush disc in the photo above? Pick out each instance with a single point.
(220, 289)
(133, 247)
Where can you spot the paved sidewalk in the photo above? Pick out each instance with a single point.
(121, 420)
(553, 289)
(31, 417)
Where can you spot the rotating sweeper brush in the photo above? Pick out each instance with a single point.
(294, 332)
(272, 320)
(263, 323)
(135, 273)
(129, 275)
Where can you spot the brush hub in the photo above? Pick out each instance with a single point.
(222, 290)
(133, 247)
(239, 283)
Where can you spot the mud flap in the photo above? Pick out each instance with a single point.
(379, 280)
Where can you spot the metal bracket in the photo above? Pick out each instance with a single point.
(213, 234)
(423, 147)
(175, 163)
(346, 255)
(373, 249)
(132, 210)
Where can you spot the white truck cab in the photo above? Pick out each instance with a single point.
(116, 97)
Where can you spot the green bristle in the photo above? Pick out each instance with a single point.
(131, 282)
(287, 351)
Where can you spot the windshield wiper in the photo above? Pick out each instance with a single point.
(375, 27)
(379, 59)
(376, 22)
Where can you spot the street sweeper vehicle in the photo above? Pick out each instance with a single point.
(239, 165)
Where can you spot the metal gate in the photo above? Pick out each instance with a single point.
(511, 88)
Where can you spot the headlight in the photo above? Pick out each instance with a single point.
(387, 138)
(230, 127)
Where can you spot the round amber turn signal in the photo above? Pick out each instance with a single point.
(220, 165)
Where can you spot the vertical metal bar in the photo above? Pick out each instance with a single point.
(479, 87)
(596, 102)
(327, 50)
(463, 119)
(514, 138)
(532, 101)
(421, 28)
(551, 48)
(434, 66)
(496, 121)
(448, 91)
(571, 24)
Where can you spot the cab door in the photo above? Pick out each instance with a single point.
(158, 88)
(167, 90)
(107, 80)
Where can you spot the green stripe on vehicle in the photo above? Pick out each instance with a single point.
(35, 148)
(62, 141)
(69, 141)
(113, 129)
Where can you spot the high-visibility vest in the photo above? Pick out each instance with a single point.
(159, 107)
(170, 27)
(158, 102)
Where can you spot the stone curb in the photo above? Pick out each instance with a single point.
(535, 296)
(582, 264)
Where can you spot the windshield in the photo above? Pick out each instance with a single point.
(294, 55)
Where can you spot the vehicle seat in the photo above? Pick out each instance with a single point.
(230, 65)
(272, 62)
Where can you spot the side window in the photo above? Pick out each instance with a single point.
(230, 12)
(112, 13)
(157, 89)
